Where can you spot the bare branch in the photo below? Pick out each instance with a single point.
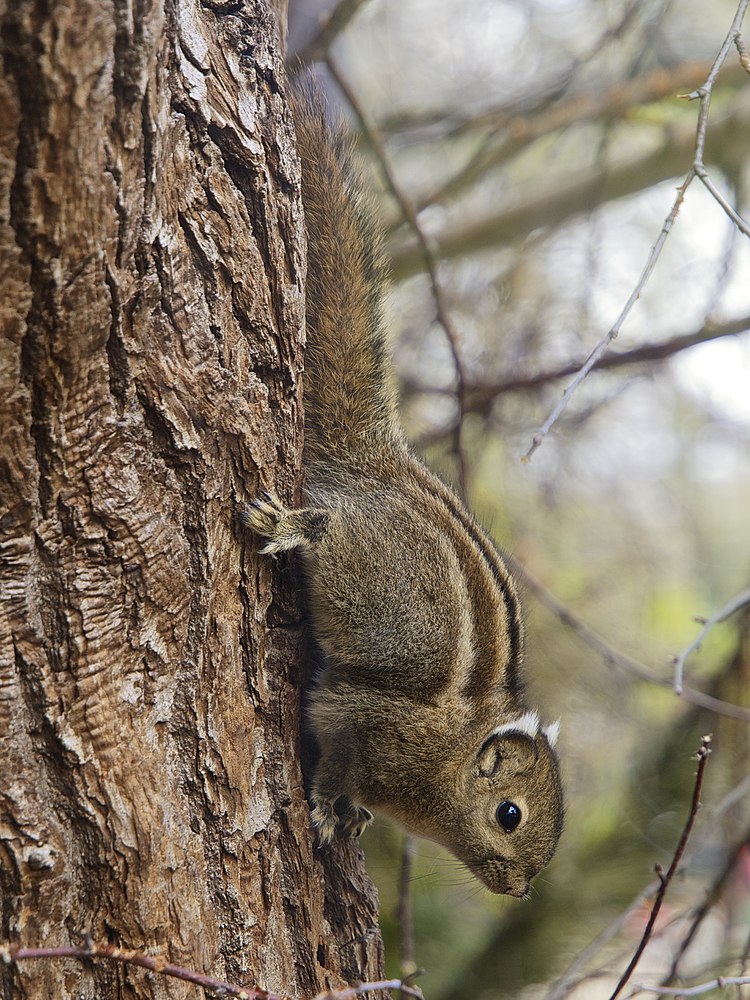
(697, 170)
(574, 973)
(604, 343)
(385, 984)
(520, 131)
(583, 190)
(721, 983)
(704, 95)
(480, 396)
(703, 754)
(569, 978)
(428, 256)
(10, 954)
(614, 657)
(331, 25)
(738, 602)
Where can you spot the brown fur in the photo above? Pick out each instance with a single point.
(411, 603)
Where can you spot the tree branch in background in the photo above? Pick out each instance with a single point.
(404, 914)
(697, 170)
(428, 256)
(703, 94)
(721, 983)
(11, 953)
(614, 330)
(574, 974)
(481, 395)
(703, 754)
(613, 104)
(614, 657)
(740, 601)
(331, 25)
(583, 190)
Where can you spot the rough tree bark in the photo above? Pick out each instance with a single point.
(152, 265)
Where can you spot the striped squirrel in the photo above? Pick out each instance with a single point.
(419, 708)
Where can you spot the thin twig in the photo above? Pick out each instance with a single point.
(481, 395)
(570, 978)
(385, 984)
(404, 913)
(430, 259)
(614, 330)
(696, 170)
(703, 754)
(10, 954)
(738, 602)
(720, 983)
(730, 210)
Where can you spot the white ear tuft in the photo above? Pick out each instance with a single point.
(527, 723)
(552, 732)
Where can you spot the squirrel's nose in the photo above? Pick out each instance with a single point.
(519, 889)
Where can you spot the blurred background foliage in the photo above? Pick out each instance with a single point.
(539, 144)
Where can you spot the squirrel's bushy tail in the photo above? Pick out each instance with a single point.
(349, 403)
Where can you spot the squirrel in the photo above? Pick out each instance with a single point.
(419, 707)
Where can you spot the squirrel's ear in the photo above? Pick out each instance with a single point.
(507, 752)
(552, 732)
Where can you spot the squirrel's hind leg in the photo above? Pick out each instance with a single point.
(284, 529)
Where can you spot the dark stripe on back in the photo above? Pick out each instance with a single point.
(502, 577)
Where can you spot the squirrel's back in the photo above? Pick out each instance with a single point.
(349, 404)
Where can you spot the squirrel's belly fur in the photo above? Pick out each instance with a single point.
(419, 709)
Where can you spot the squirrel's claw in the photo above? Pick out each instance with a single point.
(354, 822)
(325, 820)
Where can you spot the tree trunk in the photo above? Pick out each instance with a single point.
(152, 263)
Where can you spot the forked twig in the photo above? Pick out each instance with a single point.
(740, 601)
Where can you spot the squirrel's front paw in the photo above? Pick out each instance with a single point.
(354, 821)
(264, 515)
(325, 820)
(284, 529)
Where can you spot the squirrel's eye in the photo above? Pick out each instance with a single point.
(508, 816)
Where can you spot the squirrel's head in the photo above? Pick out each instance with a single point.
(512, 813)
